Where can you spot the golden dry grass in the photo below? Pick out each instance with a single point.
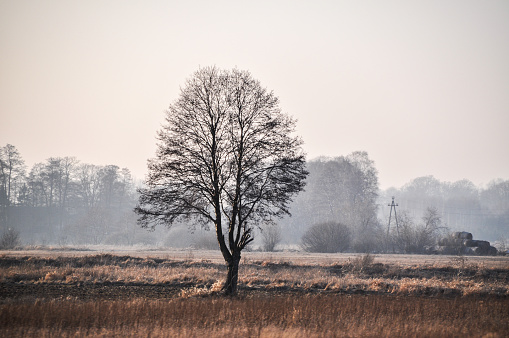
(457, 276)
(91, 294)
(260, 315)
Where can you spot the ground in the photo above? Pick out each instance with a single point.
(112, 291)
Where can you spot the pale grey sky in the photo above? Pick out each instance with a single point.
(422, 86)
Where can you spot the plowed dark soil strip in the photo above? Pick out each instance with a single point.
(120, 291)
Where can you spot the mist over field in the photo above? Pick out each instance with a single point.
(64, 202)
(403, 100)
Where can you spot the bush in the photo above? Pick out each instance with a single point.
(419, 238)
(327, 237)
(9, 239)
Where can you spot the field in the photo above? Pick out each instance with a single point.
(177, 293)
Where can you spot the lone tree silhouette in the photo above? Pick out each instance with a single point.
(226, 156)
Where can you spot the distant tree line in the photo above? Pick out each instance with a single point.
(343, 209)
(341, 190)
(462, 206)
(63, 201)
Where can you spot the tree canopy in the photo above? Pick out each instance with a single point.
(226, 156)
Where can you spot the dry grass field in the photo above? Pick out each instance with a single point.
(176, 293)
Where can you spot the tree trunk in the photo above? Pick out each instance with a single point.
(230, 286)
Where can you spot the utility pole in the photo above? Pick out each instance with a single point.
(393, 206)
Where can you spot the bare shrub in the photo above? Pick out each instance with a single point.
(9, 239)
(363, 262)
(326, 237)
(271, 237)
(419, 238)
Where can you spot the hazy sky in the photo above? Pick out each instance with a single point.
(422, 86)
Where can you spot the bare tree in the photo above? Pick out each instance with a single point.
(12, 170)
(89, 182)
(226, 156)
(271, 237)
(344, 190)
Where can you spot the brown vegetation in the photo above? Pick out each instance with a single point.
(94, 295)
(259, 315)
